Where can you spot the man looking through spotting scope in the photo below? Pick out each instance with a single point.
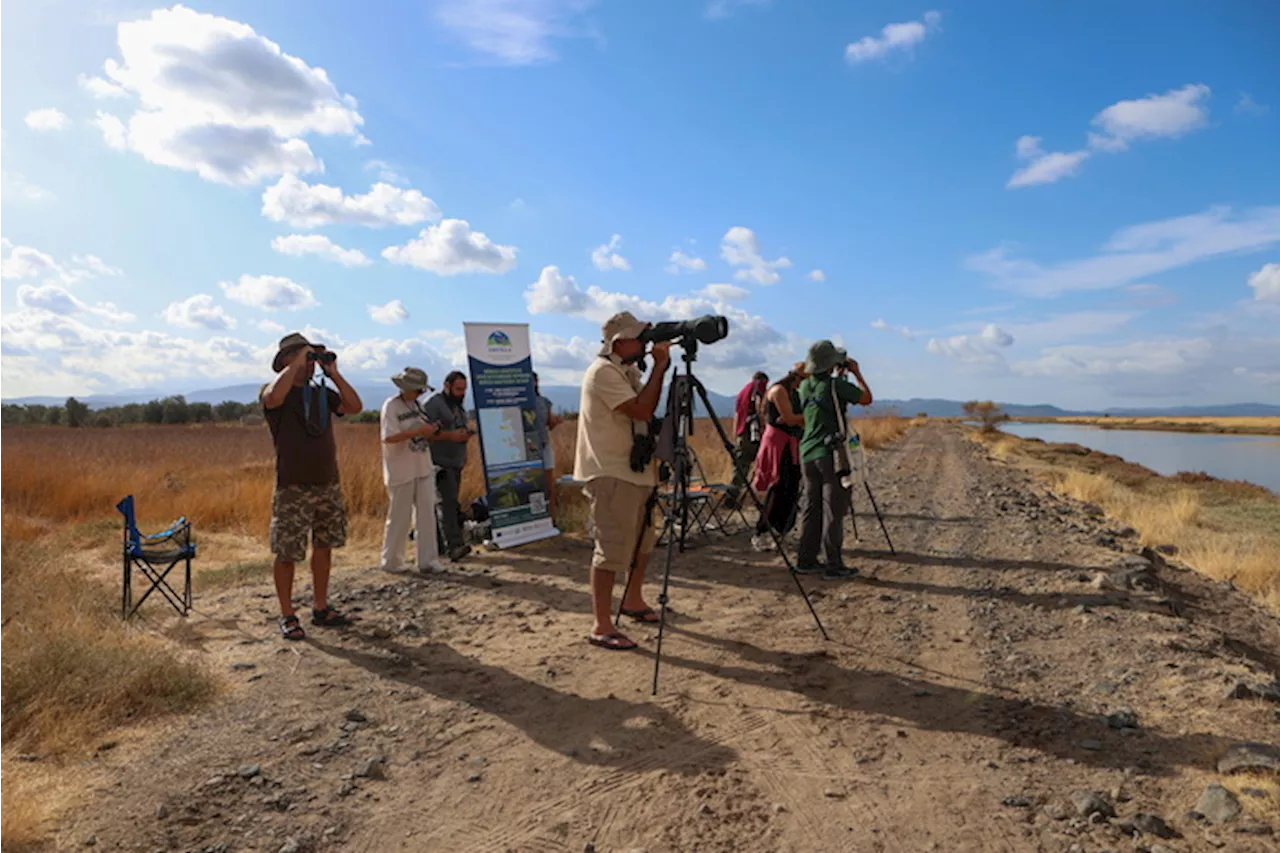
(615, 407)
(826, 499)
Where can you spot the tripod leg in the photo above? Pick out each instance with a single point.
(853, 516)
(635, 552)
(879, 517)
(681, 477)
(777, 540)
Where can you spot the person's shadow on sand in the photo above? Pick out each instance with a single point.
(638, 736)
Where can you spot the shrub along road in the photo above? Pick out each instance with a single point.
(1018, 677)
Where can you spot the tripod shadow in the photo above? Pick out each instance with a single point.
(931, 706)
(565, 723)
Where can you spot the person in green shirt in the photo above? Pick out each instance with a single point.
(826, 500)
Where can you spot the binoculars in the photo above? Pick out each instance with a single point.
(323, 356)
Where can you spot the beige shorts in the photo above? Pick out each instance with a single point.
(617, 514)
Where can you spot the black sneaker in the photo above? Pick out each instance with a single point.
(807, 568)
(835, 573)
(458, 553)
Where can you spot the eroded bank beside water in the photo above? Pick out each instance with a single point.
(1226, 529)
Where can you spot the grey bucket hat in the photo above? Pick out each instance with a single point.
(824, 356)
(290, 344)
(412, 379)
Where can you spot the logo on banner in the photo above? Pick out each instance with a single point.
(499, 341)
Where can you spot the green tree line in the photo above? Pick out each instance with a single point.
(167, 410)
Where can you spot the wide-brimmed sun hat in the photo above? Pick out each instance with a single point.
(290, 344)
(620, 326)
(823, 356)
(412, 379)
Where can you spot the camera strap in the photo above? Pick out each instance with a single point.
(319, 389)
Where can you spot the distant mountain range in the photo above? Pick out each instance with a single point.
(566, 397)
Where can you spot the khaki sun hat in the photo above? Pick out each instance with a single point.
(824, 356)
(290, 344)
(620, 326)
(412, 379)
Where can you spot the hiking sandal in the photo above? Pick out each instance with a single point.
(290, 628)
(329, 618)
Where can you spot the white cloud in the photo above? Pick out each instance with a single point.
(269, 326)
(47, 119)
(92, 265)
(99, 88)
(893, 38)
(740, 248)
(15, 184)
(553, 353)
(269, 292)
(724, 292)
(817, 275)
(387, 173)
(982, 348)
(1176, 112)
(514, 32)
(1138, 252)
(1169, 356)
(680, 262)
(451, 248)
(554, 293)
(198, 312)
(909, 334)
(1247, 105)
(57, 300)
(113, 130)
(1266, 283)
(751, 342)
(517, 204)
(26, 262)
(304, 205)
(1044, 167)
(390, 314)
(606, 257)
(216, 98)
(322, 247)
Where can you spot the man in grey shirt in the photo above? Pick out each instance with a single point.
(449, 452)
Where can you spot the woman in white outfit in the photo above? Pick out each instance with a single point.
(408, 474)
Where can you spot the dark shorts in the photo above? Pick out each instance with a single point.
(299, 513)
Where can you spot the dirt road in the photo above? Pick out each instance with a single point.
(962, 701)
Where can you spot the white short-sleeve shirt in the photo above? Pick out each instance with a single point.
(604, 433)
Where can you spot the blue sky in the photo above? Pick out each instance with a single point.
(1033, 202)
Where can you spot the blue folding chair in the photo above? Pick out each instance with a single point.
(154, 557)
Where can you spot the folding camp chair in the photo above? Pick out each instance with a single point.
(719, 494)
(154, 557)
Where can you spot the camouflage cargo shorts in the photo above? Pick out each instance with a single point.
(302, 512)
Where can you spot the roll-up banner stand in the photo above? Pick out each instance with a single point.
(502, 387)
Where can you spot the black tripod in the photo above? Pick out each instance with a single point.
(866, 484)
(678, 426)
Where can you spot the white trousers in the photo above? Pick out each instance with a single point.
(413, 505)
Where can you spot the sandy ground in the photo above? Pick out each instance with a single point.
(961, 701)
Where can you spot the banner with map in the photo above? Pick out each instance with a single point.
(502, 386)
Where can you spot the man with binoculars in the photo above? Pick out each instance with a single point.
(307, 502)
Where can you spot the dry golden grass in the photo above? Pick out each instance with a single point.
(221, 477)
(71, 668)
(1228, 531)
(1244, 425)
(21, 818)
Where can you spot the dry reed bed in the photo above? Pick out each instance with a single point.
(1190, 423)
(221, 477)
(1226, 530)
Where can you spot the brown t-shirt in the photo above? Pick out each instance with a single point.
(306, 453)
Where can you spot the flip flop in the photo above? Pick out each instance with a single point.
(612, 642)
(648, 615)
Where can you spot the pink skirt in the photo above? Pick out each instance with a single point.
(773, 445)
